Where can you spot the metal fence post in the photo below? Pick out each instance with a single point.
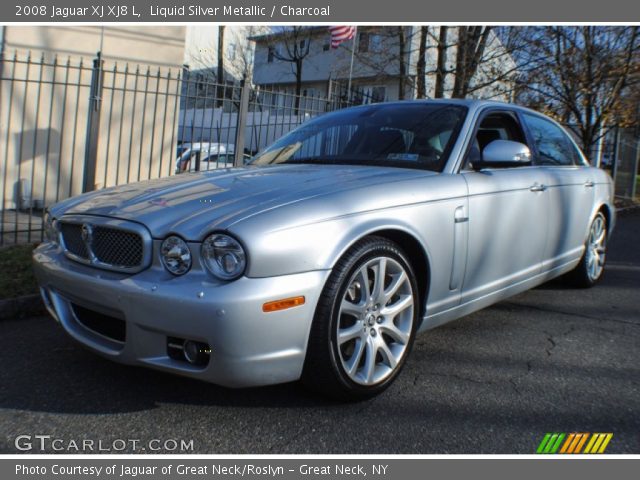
(634, 170)
(93, 125)
(241, 124)
(615, 154)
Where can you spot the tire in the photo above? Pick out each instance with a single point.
(361, 336)
(591, 267)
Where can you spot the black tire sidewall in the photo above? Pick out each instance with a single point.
(366, 252)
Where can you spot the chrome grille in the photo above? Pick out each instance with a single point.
(105, 246)
(72, 236)
(117, 247)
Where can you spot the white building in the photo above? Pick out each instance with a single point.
(376, 65)
(201, 49)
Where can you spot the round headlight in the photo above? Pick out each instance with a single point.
(175, 255)
(223, 256)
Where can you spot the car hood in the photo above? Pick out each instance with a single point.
(194, 204)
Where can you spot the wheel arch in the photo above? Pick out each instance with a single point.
(417, 255)
(609, 217)
(607, 212)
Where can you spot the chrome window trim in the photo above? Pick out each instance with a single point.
(116, 224)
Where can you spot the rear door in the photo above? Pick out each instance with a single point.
(570, 186)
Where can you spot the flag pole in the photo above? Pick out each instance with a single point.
(353, 50)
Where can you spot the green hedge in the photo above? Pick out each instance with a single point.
(17, 277)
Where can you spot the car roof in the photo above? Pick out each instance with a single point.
(471, 104)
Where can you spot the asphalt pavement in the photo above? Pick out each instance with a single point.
(553, 359)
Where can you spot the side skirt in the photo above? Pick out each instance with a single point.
(433, 321)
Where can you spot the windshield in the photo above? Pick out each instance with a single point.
(409, 135)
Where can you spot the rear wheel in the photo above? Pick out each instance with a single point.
(591, 266)
(365, 322)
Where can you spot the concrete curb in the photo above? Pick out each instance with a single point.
(627, 210)
(21, 307)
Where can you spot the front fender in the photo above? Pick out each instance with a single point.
(318, 246)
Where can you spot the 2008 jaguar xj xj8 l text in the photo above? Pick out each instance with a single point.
(324, 257)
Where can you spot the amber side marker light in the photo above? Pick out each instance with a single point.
(282, 304)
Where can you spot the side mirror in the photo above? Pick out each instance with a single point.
(504, 153)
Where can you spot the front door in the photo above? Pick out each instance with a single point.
(507, 215)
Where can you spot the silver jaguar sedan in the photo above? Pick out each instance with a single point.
(323, 258)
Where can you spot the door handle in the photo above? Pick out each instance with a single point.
(537, 187)
(459, 216)
(589, 184)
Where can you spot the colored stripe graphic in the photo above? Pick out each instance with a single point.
(581, 443)
(565, 447)
(594, 437)
(573, 443)
(556, 445)
(604, 445)
(598, 443)
(576, 443)
(550, 443)
(543, 443)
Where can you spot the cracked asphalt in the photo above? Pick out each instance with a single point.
(552, 359)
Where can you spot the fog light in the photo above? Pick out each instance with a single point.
(196, 353)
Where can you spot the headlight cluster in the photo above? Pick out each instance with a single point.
(50, 230)
(221, 254)
(175, 254)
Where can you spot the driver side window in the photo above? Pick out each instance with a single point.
(495, 126)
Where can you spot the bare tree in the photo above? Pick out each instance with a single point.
(471, 45)
(402, 61)
(421, 65)
(581, 76)
(474, 58)
(383, 53)
(237, 61)
(441, 62)
(236, 51)
(292, 46)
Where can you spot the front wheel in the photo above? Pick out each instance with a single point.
(591, 266)
(365, 322)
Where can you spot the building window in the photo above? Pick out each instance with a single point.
(231, 50)
(374, 93)
(375, 43)
(271, 54)
(201, 83)
(363, 42)
(369, 42)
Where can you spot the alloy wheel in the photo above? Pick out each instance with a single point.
(375, 321)
(596, 248)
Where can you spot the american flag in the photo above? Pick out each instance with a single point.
(340, 34)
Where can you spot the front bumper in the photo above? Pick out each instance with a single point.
(248, 347)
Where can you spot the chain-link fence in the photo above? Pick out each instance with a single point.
(69, 126)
